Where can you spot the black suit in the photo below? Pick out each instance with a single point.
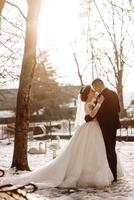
(108, 118)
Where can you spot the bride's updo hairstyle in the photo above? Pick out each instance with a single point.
(84, 91)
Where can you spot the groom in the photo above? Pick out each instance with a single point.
(108, 118)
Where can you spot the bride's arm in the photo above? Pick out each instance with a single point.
(93, 110)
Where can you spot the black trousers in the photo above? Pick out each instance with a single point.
(110, 142)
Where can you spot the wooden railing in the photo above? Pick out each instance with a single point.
(125, 133)
(9, 120)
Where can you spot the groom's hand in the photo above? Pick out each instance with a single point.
(88, 118)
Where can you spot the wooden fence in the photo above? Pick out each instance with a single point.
(125, 133)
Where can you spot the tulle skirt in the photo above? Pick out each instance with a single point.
(81, 163)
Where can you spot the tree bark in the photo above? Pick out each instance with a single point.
(2, 2)
(23, 98)
(119, 87)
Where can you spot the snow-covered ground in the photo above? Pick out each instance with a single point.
(122, 190)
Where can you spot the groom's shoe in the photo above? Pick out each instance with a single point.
(115, 180)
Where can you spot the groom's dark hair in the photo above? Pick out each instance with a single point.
(84, 91)
(97, 81)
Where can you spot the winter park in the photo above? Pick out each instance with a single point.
(66, 100)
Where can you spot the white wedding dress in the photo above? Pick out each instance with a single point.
(81, 163)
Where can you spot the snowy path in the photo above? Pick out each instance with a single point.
(122, 190)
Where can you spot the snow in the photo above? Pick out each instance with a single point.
(6, 113)
(122, 190)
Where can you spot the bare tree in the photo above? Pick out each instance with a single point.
(11, 43)
(117, 60)
(23, 98)
(108, 55)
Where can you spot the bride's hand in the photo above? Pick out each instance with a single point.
(100, 99)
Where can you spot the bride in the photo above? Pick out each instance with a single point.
(82, 162)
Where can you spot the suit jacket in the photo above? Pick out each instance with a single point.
(108, 114)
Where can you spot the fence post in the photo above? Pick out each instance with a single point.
(50, 127)
(69, 126)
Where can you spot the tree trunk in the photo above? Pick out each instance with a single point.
(2, 2)
(120, 94)
(23, 97)
(119, 87)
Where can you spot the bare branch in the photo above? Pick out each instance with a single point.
(11, 23)
(10, 33)
(8, 73)
(78, 68)
(6, 46)
(107, 29)
(106, 72)
(84, 69)
(110, 59)
(14, 5)
(116, 6)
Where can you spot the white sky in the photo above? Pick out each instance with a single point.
(58, 29)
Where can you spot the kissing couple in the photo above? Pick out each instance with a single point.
(89, 159)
